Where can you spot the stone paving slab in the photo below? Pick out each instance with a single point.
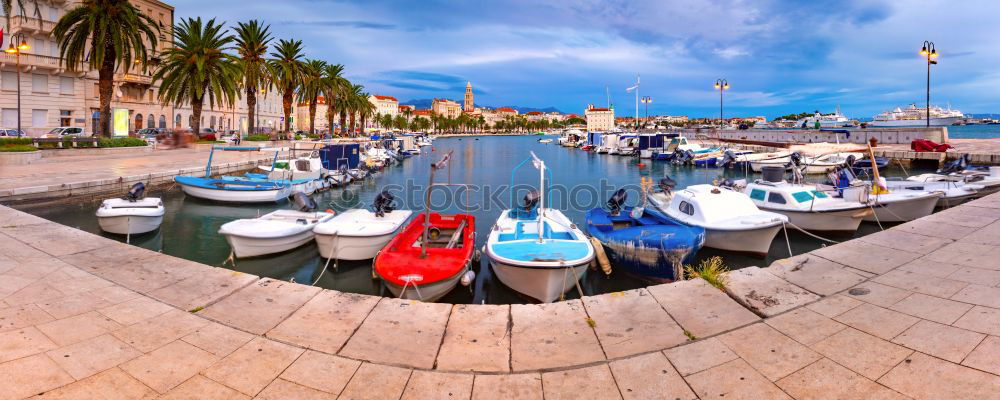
(862, 353)
(155, 332)
(734, 380)
(508, 386)
(552, 335)
(89, 357)
(589, 382)
(942, 341)
(438, 385)
(477, 339)
(968, 254)
(253, 366)
(321, 371)
(169, 366)
(906, 241)
(930, 267)
(31, 375)
(916, 282)
(376, 382)
(833, 306)
(55, 239)
(700, 308)
(979, 295)
(877, 321)
(23, 342)
(632, 322)
(866, 256)
(981, 319)
(649, 376)
(878, 294)
(218, 339)
(699, 356)
(17, 317)
(281, 389)
(204, 288)
(326, 322)
(815, 274)
(768, 351)
(110, 384)
(825, 379)
(260, 306)
(805, 326)
(146, 271)
(200, 387)
(926, 377)
(764, 293)
(400, 332)
(986, 356)
(932, 308)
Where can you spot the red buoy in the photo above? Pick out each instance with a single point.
(641, 165)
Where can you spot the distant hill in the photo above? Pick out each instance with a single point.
(425, 104)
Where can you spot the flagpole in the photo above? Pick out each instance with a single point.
(636, 102)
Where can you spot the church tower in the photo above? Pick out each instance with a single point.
(468, 105)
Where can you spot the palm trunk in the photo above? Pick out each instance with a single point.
(363, 119)
(106, 81)
(286, 106)
(343, 120)
(312, 114)
(353, 120)
(330, 116)
(251, 107)
(196, 105)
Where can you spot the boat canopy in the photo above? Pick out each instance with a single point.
(334, 155)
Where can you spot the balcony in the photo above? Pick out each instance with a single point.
(30, 60)
(141, 79)
(31, 25)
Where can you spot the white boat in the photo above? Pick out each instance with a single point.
(132, 214)
(951, 193)
(809, 208)
(275, 232)
(544, 141)
(914, 116)
(807, 165)
(731, 220)
(989, 182)
(537, 251)
(903, 205)
(835, 120)
(359, 234)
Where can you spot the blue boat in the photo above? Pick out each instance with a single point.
(651, 246)
(248, 190)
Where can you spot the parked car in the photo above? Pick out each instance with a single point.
(66, 131)
(207, 131)
(13, 133)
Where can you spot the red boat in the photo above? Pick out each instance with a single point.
(432, 254)
(413, 271)
(588, 147)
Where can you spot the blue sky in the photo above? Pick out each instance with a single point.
(778, 56)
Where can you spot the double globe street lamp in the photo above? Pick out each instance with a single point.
(721, 85)
(16, 52)
(931, 53)
(646, 100)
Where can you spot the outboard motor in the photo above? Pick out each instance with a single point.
(796, 159)
(530, 201)
(616, 201)
(959, 165)
(383, 203)
(849, 163)
(135, 193)
(677, 156)
(728, 159)
(303, 202)
(667, 184)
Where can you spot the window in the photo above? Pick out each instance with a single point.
(38, 46)
(9, 117)
(138, 121)
(66, 85)
(65, 117)
(39, 118)
(757, 194)
(776, 198)
(150, 121)
(820, 195)
(9, 80)
(686, 208)
(97, 91)
(802, 197)
(163, 122)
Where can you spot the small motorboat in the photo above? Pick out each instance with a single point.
(132, 214)
(891, 205)
(359, 234)
(537, 251)
(807, 206)
(275, 232)
(431, 255)
(642, 241)
(863, 167)
(253, 189)
(544, 141)
(951, 193)
(731, 220)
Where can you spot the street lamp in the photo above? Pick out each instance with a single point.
(16, 51)
(722, 85)
(931, 53)
(646, 100)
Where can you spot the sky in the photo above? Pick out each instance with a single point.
(779, 57)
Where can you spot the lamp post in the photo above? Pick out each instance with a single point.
(645, 101)
(931, 53)
(722, 85)
(16, 51)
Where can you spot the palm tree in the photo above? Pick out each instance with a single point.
(333, 86)
(198, 67)
(312, 86)
(252, 39)
(350, 104)
(287, 69)
(105, 35)
(365, 109)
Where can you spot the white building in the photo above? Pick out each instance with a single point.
(600, 119)
(384, 105)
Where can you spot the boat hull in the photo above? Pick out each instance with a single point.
(252, 247)
(755, 242)
(130, 224)
(237, 196)
(915, 122)
(837, 222)
(427, 293)
(351, 247)
(952, 201)
(905, 210)
(545, 284)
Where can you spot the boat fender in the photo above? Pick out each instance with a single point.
(602, 258)
(468, 277)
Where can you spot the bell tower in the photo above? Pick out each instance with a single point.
(467, 105)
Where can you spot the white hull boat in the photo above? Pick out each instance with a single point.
(543, 284)
(271, 233)
(951, 193)
(358, 234)
(126, 217)
(275, 194)
(809, 208)
(903, 206)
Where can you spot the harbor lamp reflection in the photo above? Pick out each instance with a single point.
(931, 53)
(16, 52)
(721, 85)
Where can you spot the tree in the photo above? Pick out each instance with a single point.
(333, 87)
(252, 39)
(198, 68)
(365, 109)
(312, 86)
(287, 69)
(106, 35)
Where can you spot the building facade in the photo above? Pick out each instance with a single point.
(52, 96)
(384, 105)
(446, 108)
(468, 105)
(600, 119)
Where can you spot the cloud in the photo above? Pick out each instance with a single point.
(342, 24)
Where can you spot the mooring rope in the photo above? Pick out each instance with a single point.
(329, 255)
(812, 234)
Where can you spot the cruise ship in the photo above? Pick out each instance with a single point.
(914, 116)
(835, 120)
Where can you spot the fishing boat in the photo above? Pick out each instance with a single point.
(608, 141)
(131, 214)
(963, 172)
(432, 254)
(544, 141)
(951, 193)
(642, 241)
(358, 234)
(891, 205)
(807, 206)
(537, 251)
(731, 221)
(275, 232)
(232, 190)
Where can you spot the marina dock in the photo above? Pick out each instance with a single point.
(909, 312)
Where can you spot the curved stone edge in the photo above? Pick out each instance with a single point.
(185, 279)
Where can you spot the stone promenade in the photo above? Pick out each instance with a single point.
(911, 312)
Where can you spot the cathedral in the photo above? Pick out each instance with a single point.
(467, 105)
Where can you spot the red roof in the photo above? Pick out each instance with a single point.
(533, 113)
(505, 109)
(385, 98)
(599, 109)
(422, 112)
(572, 116)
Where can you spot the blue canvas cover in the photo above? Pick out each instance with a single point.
(334, 155)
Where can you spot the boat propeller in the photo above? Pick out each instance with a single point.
(135, 193)
(616, 201)
(383, 203)
(303, 202)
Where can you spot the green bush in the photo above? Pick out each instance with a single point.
(298, 137)
(6, 141)
(17, 148)
(258, 138)
(67, 144)
(121, 142)
(48, 145)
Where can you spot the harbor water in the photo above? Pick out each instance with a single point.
(581, 181)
